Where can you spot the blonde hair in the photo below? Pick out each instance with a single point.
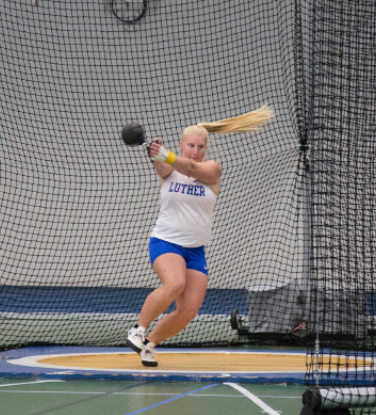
(196, 129)
(250, 121)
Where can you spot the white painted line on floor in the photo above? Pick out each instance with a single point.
(31, 383)
(254, 399)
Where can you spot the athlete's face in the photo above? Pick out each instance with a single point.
(193, 147)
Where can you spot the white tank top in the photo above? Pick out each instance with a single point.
(186, 213)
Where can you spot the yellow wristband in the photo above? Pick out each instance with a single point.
(170, 158)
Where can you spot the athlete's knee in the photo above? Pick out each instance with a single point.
(190, 315)
(186, 314)
(175, 288)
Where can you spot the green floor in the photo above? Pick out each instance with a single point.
(93, 397)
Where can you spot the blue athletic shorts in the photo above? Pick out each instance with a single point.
(194, 257)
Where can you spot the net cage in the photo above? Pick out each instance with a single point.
(342, 208)
(78, 205)
(293, 237)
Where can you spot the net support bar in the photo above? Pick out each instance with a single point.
(337, 400)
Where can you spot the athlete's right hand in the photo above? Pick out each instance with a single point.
(159, 153)
(153, 148)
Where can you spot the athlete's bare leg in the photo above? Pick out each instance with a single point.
(187, 306)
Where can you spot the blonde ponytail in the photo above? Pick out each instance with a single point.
(250, 121)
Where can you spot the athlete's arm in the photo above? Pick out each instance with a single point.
(208, 172)
(162, 169)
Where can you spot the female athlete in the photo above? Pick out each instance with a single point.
(190, 186)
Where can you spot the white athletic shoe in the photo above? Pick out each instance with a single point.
(148, 355)
(136, 339)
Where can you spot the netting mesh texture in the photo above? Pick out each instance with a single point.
(78, 206)
(342, 142)
(290, 243)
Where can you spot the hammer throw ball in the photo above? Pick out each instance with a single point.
(133, 135)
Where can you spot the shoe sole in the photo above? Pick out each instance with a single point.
(149, 364)
(133, 346)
